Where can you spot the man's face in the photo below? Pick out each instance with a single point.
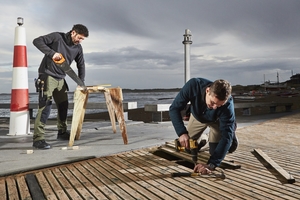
(76, 38)
(212, 101)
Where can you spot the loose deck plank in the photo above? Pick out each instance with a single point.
(202, 156)
(289, 178)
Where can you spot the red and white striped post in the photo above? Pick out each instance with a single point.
(19, 123)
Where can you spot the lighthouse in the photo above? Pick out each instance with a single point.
(19, 123)
(187, 41)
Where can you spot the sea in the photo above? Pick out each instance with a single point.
(142, 97)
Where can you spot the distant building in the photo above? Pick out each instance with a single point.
(273, 86)
(295, 79)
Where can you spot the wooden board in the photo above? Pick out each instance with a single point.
(289, 178)
(203, 156)
(114, 103)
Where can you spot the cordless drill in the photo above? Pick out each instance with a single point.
(193, 149)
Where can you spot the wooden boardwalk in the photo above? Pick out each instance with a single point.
(146, 173)
(143, 175)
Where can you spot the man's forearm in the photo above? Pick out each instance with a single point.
(220, 152)
(177, 122)
(40, 45)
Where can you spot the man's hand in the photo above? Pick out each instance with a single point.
(57, 57)
(83, 88)
(202, 169)
(184, 141)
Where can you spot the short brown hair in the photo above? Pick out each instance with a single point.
(81, 29)
(221, 89)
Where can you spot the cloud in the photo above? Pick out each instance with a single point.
(138, 44)
(133, 58)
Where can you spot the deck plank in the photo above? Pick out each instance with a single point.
(72, 178)
(154, 186)
(139, 191)
(289, 178)
(53, 182)
(131, 176)
(3, 188)
(85, 182)
(12, 190)
(97, 179)
(23, 189)
(45, 186)
(114, 184)
(64, 184)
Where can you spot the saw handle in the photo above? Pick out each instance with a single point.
(62, 60)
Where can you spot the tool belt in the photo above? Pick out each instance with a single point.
(40, 83)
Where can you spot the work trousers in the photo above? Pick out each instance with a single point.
(196, 129)
(55, 90)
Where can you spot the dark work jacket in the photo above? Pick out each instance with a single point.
(194, 92)
(57, 42)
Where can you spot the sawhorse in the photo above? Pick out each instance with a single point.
(114, 102)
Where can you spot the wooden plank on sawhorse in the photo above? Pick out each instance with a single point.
(113, 97)
(288, 177)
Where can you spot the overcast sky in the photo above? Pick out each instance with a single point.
(137, 44)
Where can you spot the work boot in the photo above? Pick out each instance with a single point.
(63, 135)
(234, 145)
(41, 144)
